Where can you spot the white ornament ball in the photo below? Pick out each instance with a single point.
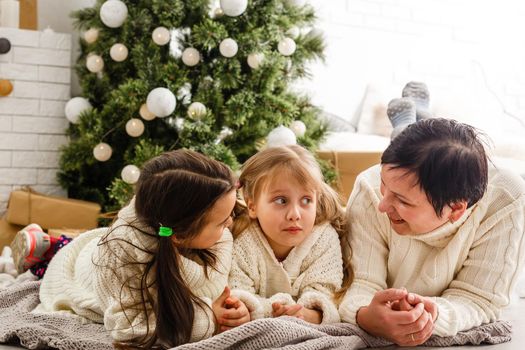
(286, 47)
(179, 123)
(190, 57)
(228, 47)
(75, 107)
(161, 102)
(91, 35)
(281, 136)
(196, 110)
(255, 60)
(135, 127)
(145, 113)
(293, 32)
(94, 63)
(161, 36)
(296, 3)
(234, 8)
(102, 152)
(298, 128)
(130, 174)
(113, 13)
(118, 52)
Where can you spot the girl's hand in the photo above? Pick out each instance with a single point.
(279, 309)
(235, 315)
(312, 316)
(219, 307)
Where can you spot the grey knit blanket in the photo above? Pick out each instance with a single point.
(62, 331)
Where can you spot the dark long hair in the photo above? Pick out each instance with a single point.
(176, 189)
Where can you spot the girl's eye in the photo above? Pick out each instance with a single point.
(306, 200)
(280, 201)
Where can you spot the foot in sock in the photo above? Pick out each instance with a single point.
(401, 112)
(418, 92)
(29, 247)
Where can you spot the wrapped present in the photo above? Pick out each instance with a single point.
(7, 232)
(26, 206)
(348, 165)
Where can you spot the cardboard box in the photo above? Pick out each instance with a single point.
(349, 165)
(28, 14)
(26, 206)
(7, 232)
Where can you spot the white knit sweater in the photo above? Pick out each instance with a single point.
(469, 266)
(310, 274)
(79, 281)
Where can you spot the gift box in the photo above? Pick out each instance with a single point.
(348, 165)
(26, 206)
(7, 232)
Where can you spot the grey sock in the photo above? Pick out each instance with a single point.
(401, 112)
(418, 92)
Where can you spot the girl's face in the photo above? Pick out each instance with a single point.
(219, 218)
(286, 212)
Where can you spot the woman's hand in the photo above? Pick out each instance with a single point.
(389, 317)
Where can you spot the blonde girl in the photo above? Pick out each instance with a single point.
(155, 277)
(287, 254)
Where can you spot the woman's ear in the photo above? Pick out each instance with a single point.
(252, 213)
(458, 209)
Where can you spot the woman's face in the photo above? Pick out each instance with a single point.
(406, 204)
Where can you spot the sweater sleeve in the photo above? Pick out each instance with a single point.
(323, 275)
(368, 237)
(483, 285)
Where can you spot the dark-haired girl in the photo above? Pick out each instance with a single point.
(157, 277)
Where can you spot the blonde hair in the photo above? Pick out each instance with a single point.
(296, 162)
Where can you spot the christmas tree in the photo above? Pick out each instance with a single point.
(159, 75)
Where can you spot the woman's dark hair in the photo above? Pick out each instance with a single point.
(447, 157)
(176, 189)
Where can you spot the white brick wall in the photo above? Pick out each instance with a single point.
(451, 45)
(32, 121)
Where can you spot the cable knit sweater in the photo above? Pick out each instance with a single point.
(468, 266)
(310, 274)
(86, 278)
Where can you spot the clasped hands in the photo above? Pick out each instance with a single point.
(407, 319)
(231, 312)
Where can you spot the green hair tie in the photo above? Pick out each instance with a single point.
(165, 231)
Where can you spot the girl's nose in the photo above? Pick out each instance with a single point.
(293, 213)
